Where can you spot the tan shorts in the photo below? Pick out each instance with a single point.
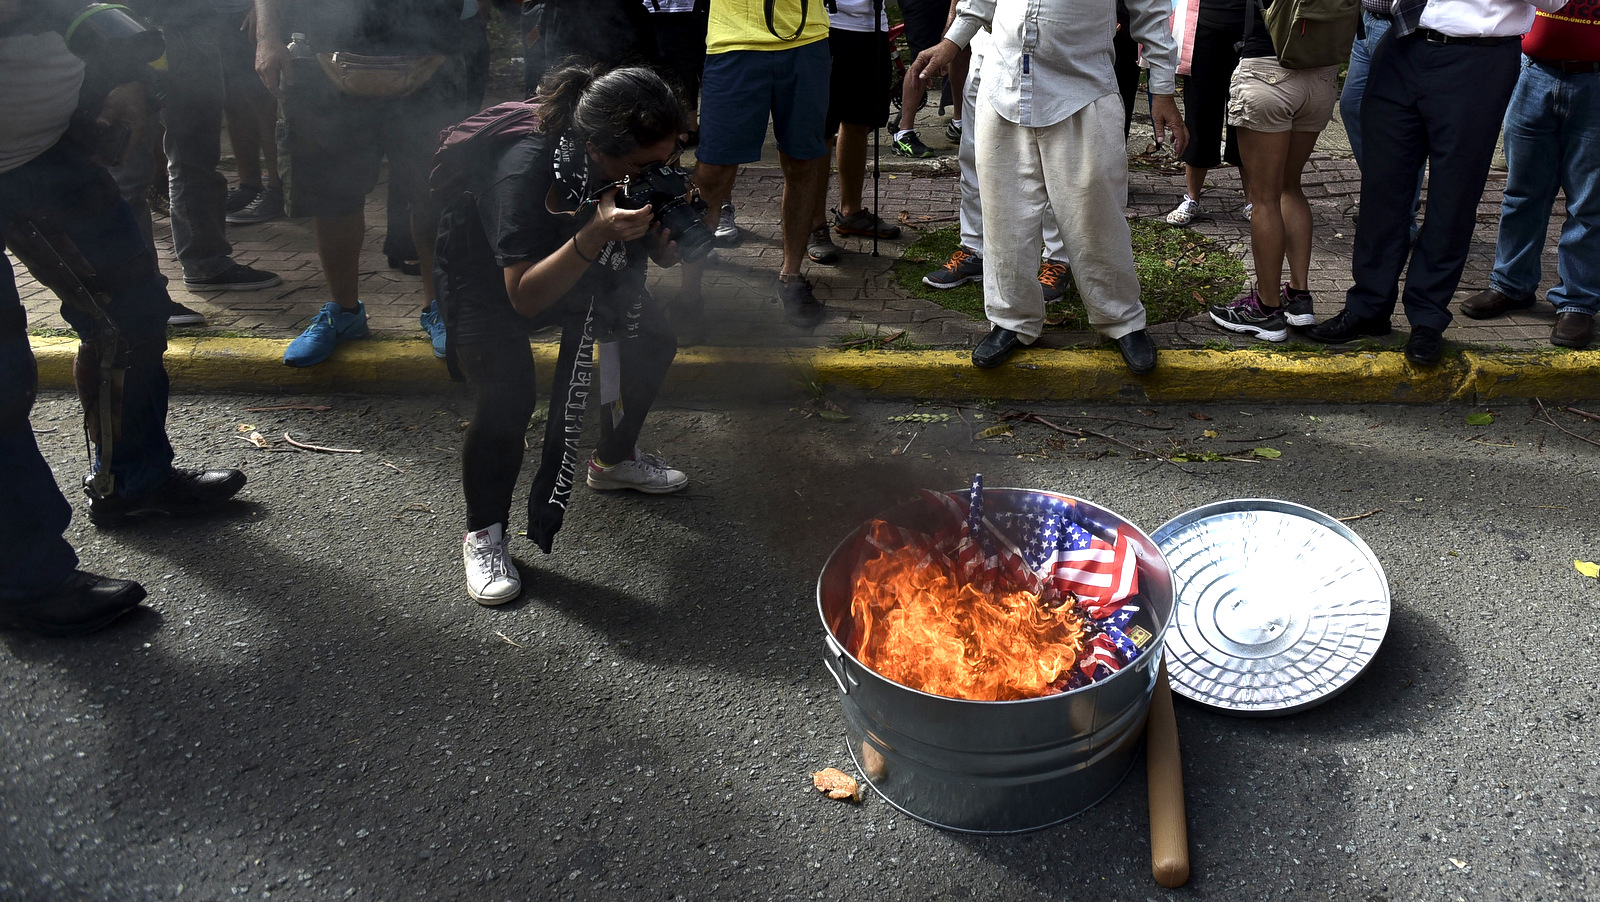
(1265, 97)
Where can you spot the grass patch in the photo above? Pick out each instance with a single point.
(876, 339)
(1181, 273)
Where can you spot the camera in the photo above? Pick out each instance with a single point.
(666, 189)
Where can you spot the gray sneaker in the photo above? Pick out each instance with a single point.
(727, 231)
(264, 207)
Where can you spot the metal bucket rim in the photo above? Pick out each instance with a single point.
(1157, 646)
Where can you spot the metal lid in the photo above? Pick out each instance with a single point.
(1278, 607)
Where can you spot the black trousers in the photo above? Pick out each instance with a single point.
(498, 362)
(1205, 97)
(1439, 103)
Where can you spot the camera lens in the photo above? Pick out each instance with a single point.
(693, 237)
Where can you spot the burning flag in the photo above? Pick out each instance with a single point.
(1018, 605)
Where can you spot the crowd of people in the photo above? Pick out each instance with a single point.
(540, 230)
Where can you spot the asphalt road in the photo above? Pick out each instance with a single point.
(311, 707)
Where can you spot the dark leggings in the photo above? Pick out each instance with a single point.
(499, 365)
(1205, 96)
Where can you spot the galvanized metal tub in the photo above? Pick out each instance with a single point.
(995, 767)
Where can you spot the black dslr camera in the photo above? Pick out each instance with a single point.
(679, 210)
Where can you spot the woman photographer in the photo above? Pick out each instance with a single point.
(535, 239)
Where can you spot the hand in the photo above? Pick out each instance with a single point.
(613, 223)
(1167, 124)
(124, 106)
(272, 65)
(663, 250)
(934, 61)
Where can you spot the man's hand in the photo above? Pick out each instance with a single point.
(934, 61)
(1167, 124)
(272, 65)
(124, 108)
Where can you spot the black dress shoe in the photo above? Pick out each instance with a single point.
(995, 347)
(82, 604)
(408, 267)
(1425, 346)
(184, 493)
(1138, 352)
(1345, 326)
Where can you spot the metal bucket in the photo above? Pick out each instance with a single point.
(994, 767)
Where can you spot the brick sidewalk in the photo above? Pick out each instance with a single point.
(859, 292)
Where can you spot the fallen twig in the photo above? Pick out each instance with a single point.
(1069, 416)
(879, 340)
(1551, 420)
(1582, 413)
(507, 638)
(305, 447)
(1264, 438)
(317, 407)
(1376, 510)
(1085, 433)
(391, 466)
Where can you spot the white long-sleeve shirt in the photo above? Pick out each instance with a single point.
(1484, 18)
(1052, 58)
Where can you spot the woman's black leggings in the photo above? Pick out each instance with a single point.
(499, 366)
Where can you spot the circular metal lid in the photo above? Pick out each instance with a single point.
(1278, 606)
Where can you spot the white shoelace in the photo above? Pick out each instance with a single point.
(493, 558)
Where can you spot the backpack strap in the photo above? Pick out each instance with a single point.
(1252, 11)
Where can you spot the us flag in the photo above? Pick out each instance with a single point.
(1103, 575)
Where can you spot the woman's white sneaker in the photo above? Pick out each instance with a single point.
(491, 576)
(647, 473)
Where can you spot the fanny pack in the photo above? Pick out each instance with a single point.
(360, 75)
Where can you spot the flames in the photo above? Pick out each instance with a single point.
(920, 623)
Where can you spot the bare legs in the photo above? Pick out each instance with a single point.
(1280, 226)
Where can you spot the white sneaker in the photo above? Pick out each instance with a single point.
(1185, 212)
(647, 473)
(491, 576)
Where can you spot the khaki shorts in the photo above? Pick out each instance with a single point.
(1265, 97)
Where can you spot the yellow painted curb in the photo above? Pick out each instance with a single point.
(397, 366)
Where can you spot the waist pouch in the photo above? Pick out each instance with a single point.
(360, 75)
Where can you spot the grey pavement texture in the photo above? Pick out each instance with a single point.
(311, 708)
(861, 296)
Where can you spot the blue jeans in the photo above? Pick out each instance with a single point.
(1552, 139)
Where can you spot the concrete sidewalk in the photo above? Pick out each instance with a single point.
(744, 319)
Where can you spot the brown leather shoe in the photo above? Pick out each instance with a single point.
(1573, 330)
(1488, 304)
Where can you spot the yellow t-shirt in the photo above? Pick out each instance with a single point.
(742, 25)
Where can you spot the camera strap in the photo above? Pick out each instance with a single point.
(805, 8)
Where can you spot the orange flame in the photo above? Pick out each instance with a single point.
(918, 623)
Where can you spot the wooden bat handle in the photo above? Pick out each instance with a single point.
(1169, 830)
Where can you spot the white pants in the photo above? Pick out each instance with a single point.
(1078, 168)
(971, 201)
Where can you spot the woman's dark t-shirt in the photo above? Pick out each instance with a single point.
(503, 219)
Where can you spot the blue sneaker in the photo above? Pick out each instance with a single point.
(433, 324)
(328, 329)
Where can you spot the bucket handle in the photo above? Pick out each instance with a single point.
(841, 673)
